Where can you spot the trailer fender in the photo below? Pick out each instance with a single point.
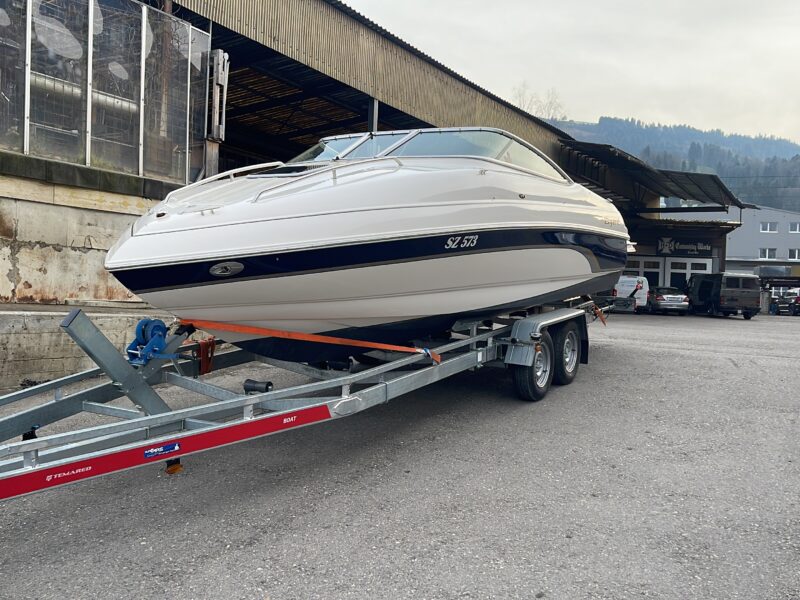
(526, 332)
(522, 349)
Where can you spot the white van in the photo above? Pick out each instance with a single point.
(631, 293)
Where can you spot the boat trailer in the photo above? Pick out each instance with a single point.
(150, 431)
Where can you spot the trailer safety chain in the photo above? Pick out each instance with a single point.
(307, 337)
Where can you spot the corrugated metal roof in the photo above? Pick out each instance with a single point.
(429, 59)
(328, 38)
(701, 187)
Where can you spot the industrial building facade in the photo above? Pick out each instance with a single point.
(105, 83)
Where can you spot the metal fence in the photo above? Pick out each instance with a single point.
(109, 83)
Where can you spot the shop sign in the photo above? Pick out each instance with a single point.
(668, 246)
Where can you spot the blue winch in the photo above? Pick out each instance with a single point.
(150, 342)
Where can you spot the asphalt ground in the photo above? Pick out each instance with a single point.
(668, 469)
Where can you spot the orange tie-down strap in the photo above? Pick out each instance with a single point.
(306, 337)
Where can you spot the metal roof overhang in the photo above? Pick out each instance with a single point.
(705, 188)
(278, 107)
(303, 70)
(683, 224)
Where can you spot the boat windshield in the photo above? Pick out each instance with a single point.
(376, 144)
(489, 144)
(327, 149)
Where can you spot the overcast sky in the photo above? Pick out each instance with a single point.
(714, 64)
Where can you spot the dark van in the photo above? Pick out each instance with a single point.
(724, 294)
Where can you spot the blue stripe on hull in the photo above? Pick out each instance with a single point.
(603, 252)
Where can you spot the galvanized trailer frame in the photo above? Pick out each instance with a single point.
(150, 431)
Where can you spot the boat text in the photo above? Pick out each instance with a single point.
(461, 241)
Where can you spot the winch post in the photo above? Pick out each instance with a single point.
(127, 379)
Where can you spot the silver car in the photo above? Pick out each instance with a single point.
(667, 299)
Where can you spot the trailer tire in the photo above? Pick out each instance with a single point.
(532, 383)
(567, 353)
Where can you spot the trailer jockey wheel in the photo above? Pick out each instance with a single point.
(533, 382)
(567, 346)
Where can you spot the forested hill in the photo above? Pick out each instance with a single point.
(762, 170)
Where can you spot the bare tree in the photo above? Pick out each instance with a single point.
(551, 107)
(524, 97)
(548, 107)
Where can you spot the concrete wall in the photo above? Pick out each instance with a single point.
(33, 348)
(54, 238)
(53, 241)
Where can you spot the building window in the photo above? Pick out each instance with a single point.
(794, 227)
(58, 80)
(766, 253)
(794, 253)
(12, 84)
(769, 227)
(777, 292)
(139, 107)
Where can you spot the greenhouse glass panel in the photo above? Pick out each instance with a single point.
(116, 74)
(201, 47)
(12, 73)
(166, 92)
(58, 79)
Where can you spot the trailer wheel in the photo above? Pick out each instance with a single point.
(533, 382)
(567, 350)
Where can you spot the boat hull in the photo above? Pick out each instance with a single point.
(381, 294)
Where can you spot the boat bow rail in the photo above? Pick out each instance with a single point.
(150, 431)
(230, 175)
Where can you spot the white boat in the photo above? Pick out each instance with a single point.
(385, 237)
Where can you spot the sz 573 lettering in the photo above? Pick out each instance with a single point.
(461, 241)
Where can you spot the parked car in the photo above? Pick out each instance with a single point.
(667, 299)
(788, 304)
(724, 294)
(630, 294)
